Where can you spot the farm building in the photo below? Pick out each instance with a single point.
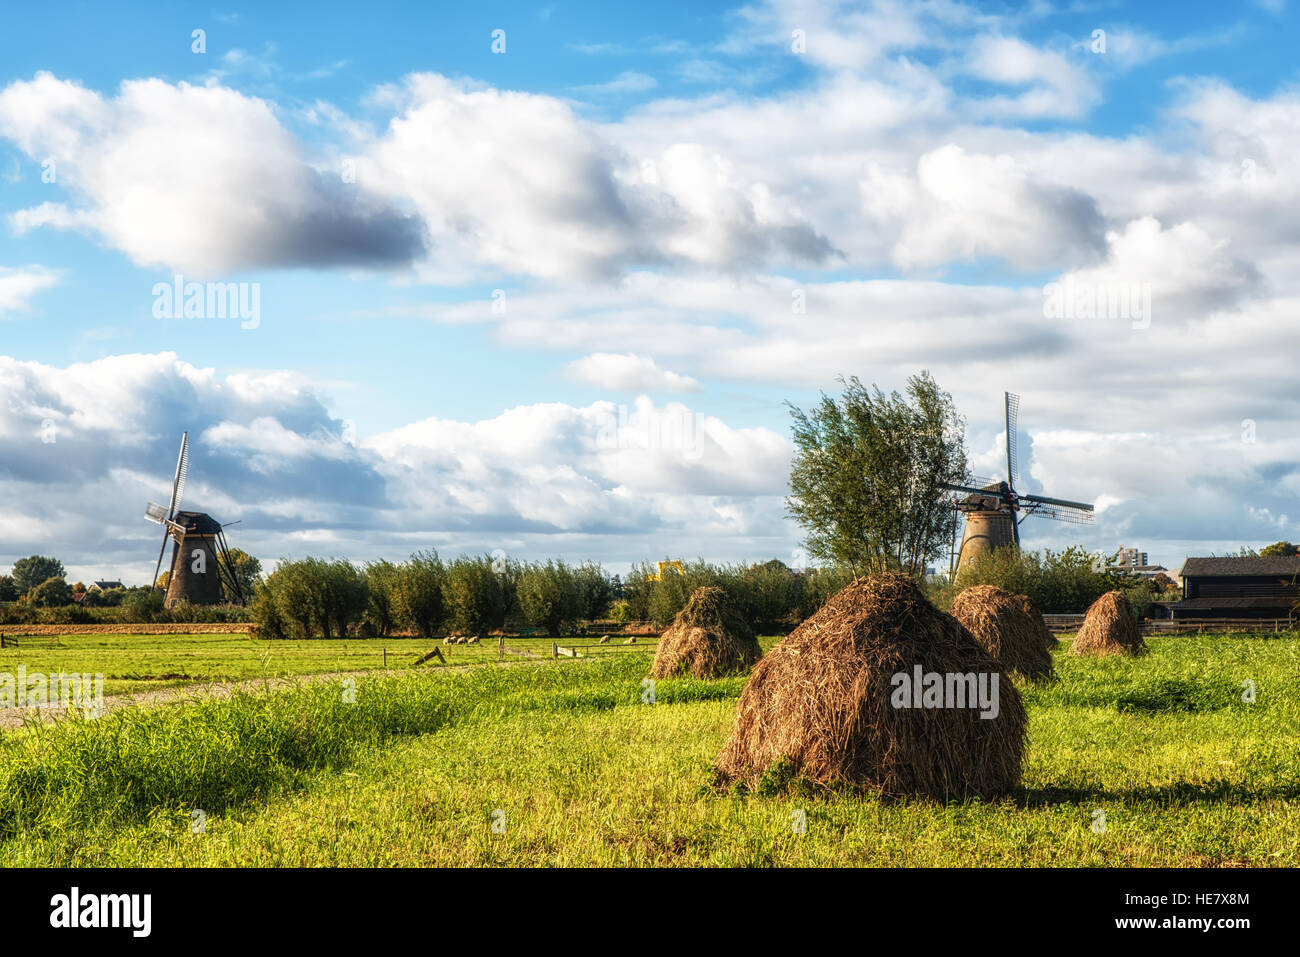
(1244, 587)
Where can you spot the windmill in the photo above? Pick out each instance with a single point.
(994, 509)
(201, 570)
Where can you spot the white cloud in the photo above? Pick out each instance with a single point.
(629, 81)
(629, 372)
(542, 478)
(965, 206)
(17, 286)
(204, 180)
(517, 181)
(1049, 83)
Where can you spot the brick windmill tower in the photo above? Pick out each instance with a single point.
(201, 570)
(993, 508)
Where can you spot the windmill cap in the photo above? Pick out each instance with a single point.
(200, 523)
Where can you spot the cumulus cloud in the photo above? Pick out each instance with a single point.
(966, 206)
(629, 372)
(17, 286)
(517, 181)
(266, 452)
(204, 180)
(1046, 82)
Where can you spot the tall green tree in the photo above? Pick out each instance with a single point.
(596, 589)
(1279, 550)
(31, 571)
(473, 596)
(247, 571)
(418, 593)
(868, 473)
(381, 578)
(550, 596)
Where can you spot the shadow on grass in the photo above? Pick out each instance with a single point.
(1177, 793)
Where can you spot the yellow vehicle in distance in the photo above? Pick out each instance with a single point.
(676, 563)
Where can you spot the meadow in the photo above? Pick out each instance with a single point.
(564, 763)
(133, 663)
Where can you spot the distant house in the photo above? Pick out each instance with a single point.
(105, 586)
(1242, 587)
(1133, 561)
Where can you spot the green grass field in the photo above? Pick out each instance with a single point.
(131, 663)
(570, 765)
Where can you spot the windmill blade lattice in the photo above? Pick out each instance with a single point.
(1013, 423)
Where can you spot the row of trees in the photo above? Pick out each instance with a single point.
(1063, 582)
(475, 595)
(37, 592)
(771, 595)
(424, 595)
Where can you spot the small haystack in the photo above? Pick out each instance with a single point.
(1009, 628)
(707, 639)
(828, 703)
(1110, 628)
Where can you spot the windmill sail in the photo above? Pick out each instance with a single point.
(182, 473)
(1077, 513)
(178, 492)
(994, 509)
(1013, 423)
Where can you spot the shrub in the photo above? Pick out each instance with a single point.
(596, 590)
(670, 593)
(621, 612)
(550, 596)
(381, 579)
(51, 593)
(417, 593)
(768, 596)
(35, 570)
(508, 572)
(310, 597)
(1063, 582)
(819, 584)
(473, 596)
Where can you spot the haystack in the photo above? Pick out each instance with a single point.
(707, 639)
(1110, 628)
(825, 706)
(1009, 628)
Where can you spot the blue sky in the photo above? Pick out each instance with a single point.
(648, 185)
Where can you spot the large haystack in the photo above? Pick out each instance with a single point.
(1008, 627)
(827, 702)
(707, 639)
(1110, 628)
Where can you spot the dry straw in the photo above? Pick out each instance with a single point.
(1009, 628)
(1110, 628)
(707, 639)
(819, 704)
